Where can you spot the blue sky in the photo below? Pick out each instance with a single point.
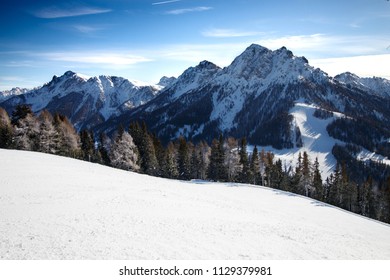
(146, 39)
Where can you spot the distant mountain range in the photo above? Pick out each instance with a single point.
(268, 96)
(86, 101)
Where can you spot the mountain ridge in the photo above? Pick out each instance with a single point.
(86, 101)
(256, 96)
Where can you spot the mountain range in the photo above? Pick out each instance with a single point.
(273, 98)
(86, 101)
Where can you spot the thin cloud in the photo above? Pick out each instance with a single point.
(57, 12)
(87, 29)
(103, 58)
(188, 10)
(165, 2)
(229, 33)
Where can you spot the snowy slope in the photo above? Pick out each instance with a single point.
(316, 141)
(60, 208)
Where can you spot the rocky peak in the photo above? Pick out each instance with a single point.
(166, 81)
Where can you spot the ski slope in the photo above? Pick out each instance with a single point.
(59, 208)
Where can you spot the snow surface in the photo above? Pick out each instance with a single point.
(59, 208)
(316, 141)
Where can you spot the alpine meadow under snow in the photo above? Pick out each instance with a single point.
(60, 208)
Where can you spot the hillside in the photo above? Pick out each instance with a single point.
(59, 208)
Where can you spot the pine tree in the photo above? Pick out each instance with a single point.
(255, 167)
(184, 159)
(217, 170)
(87, 145)
(159, 152)
(333, 188)
(203, 150)
(104, 147)
(244, 175)
(306, 176)
(368, 199)
(269, 165)
(347, 190)
(147, 154)
(170, 169)
(316, 184)
(123, 153)
(21, 112)
(196, 158)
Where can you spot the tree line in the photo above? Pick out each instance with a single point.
(225, 160)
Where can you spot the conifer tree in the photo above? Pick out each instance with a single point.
(170, 169)
(269, 165)
(21, 112)
(26, 135)
(147, 154)
(306, 176)
(103, 147)
(6, 130)
(159, 152)
(87, 145)
(245, 172)
(203, 150)
(196, 156)
(368, 199)
(317, 185)
(263, 160)
(232, 159)
(184, 159)
(255, 167)
(67, 141)
(123, 153)
(334, 187)
(217, 170)
(47, 133)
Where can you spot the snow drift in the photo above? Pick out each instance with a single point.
(59, 208)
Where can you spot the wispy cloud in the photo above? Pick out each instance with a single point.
(188, 10)
(165, 2)
(102, 58)
(229, 33)
(61, 12)
(87, 29)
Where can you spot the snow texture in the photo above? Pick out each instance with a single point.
(59, 208)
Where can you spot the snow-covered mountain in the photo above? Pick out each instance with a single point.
(376, 85)
(273, 98)
(4, 95)
(86, 101)
(249, 97)
(166, 81)
(270, 98)
(102, 213)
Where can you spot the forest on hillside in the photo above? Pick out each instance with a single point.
(357, 187)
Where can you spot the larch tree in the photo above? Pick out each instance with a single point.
(6, 129)
(47, 133)
(123, 153)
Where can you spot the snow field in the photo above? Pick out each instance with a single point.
(59, 208)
